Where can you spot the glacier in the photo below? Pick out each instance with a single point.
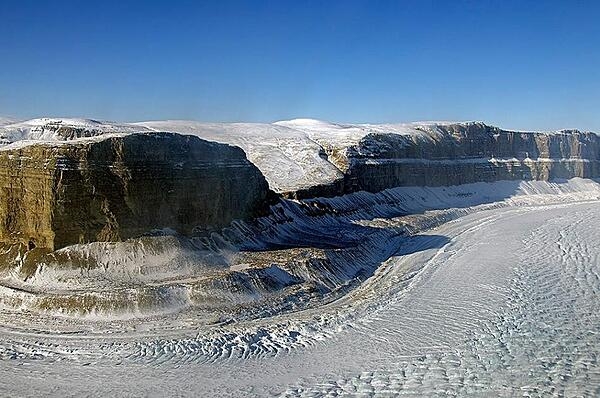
(358, 280)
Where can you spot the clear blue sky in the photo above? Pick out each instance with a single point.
(518, 64)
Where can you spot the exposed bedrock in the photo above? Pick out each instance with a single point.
(463, 153)
(81, 181)
(121, 186)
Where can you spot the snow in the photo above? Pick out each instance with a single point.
(293, 154)
(288, 158)
(510, 322)
(492, 293)
(48, 130)
(345, 135)
(7, 120)
(479, 289)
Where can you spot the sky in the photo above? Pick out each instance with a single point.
(532, 65)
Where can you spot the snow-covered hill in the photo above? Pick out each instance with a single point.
(6, 120)
(408, 288)
(58, 129)
(307, 157)
(291, 154)
(289, 158)
(345, 135)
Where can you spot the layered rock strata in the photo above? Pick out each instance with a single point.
(114, 187)
(454, 154)
(71, 181)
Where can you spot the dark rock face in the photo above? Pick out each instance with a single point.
(54, 195)
(114, 187)
(466, 153)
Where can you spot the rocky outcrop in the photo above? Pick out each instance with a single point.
(84, 180)
(454, 154)
(305, 158)
(115, 187)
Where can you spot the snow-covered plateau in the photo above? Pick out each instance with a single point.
(421, 259)
(305, 158)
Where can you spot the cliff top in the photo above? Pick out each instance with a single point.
(293, 155)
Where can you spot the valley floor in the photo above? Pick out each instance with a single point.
(503, 301)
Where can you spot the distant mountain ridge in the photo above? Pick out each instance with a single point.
(308, 157)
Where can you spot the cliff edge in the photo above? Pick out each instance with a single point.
(67, 181)
(117, 186)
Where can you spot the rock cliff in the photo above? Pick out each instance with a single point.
(75, 180)
(307, 158)
(118, 186)
(377, 157)
(467, 153)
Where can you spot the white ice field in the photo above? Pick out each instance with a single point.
(498, 298)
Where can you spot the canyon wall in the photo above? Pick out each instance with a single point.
(454, 154)
(76, 181)
(120, 186)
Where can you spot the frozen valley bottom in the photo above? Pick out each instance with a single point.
(503, 301)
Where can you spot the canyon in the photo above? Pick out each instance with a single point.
(76, 181)
(227, 251)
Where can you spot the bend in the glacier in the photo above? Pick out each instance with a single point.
(195, 226)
